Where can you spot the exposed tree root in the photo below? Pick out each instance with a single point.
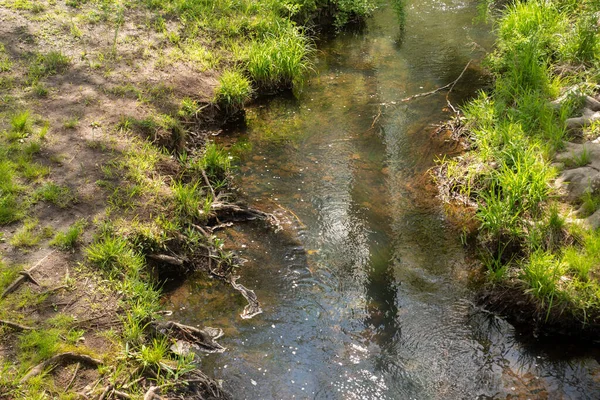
(15, 326)
(57, 359)
(25, 275)
(253, 306)
(197, 386)
(238, 213)
(202, 339)
(179, 261)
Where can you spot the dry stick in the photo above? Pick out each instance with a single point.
(451, 84)
(135, 382)
(105, 392)
(452, 87)
(376, 117)
(122, 395)
(15, 326)
(208, 184)
(38, 369)
(24, 275)
(73, 378)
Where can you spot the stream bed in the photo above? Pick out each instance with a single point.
(365, 291)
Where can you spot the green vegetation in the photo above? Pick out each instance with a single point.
(68, 239)
(543, 47)
(19, 171)
(234, 91)
(58, 195)
(44, 65)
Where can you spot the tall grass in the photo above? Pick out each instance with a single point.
(234, 90)
(279, 61)
(515, 133)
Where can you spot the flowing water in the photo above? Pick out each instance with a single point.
(366, 291)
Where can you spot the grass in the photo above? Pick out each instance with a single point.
(18, 146)
(234, 91)
(21, 124)
(27, 235)
(68, 240)
(523, 235)
(61, 196)
(279, 61)
(71, 123)
(44, 65)
(579, 160)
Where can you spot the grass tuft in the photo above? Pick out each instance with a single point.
(234, 91)
(68, 239)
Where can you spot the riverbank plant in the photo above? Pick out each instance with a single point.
(542, 49)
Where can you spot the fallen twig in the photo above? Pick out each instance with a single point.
(121, 395)
(73, 377)
(105, 392)
(54, 289)
(134, 382)
(450, 85)
(151, 393)
(207, 181)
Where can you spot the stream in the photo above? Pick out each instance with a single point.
(366, 291)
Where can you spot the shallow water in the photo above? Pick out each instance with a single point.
(365, 292)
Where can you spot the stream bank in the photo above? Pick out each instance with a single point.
(366, 294)
(540, 260)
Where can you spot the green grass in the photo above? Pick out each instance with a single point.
(215, 161)
(27, 236)
(523, 236)
(113, 255)
(579, 160)
(71, 123)
(44, 65)
(590, 203)
(189, 200)
(39, 345)
(61, 196)
(234, 91)
(68, 239)
(279, 61)
(21, 124)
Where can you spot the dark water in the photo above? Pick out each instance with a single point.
(365, 292)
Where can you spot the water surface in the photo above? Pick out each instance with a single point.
(365, 293)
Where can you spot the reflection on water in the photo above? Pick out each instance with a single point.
(365, 293)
